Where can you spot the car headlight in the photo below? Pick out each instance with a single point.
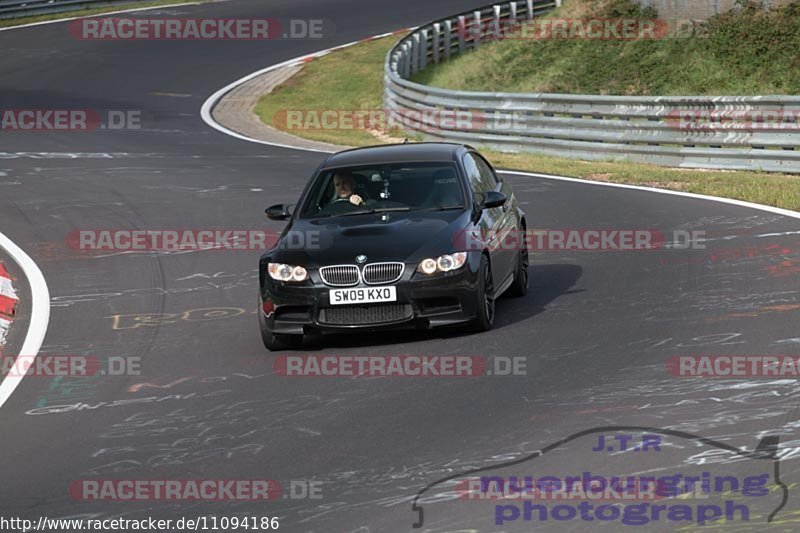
(443, 263)
(281, 272)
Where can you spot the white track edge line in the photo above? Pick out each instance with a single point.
(67, 19)
(40, 313)
(731, 201)
(211, 101)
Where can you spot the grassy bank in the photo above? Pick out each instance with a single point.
(748, 51)
(352, 79)
(347, 80)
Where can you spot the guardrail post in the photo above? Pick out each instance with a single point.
(496, 21)
(423, 50)
(448, 36)
(462, 34)
(477, 33)
(415, 53)
(514, 11)
(405, 71)
(437, 41)
(529, 3)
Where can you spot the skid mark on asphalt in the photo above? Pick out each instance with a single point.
(744, 224)
(793, 340)
(61, 390)
(219, 281)
(702, 405)
(105, 405)
(139, 386)
(757, 312)
(148, 440)
(60, 251)
(62, 155)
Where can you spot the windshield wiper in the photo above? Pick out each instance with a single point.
(371, 211)
(352, 213)
(441, 208)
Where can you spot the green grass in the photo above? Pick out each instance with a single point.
(743, 52)
(348, 80)
(779, 190)
(88, 12)
(353, 79)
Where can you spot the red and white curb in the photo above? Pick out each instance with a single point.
(40, 311)
(8, 304)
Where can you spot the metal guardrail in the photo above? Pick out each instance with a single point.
(593, 127)
(10, 9)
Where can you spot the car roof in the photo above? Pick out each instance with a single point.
(396, 153)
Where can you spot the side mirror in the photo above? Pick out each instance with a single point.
(494, 199)
(278, 212)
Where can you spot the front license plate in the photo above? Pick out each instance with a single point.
(363, 296)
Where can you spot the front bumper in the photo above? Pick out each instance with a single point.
(423, 302)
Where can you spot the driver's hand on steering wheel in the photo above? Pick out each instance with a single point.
(356, 199)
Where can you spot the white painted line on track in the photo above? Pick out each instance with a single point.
(211, 101)
(133, 10)
(739, 203)
(5, 325)
(40, 315)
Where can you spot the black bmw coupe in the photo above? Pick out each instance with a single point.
(394, 236)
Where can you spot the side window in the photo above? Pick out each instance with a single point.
(487, 175)
(476, 179)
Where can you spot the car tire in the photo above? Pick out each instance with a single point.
(519, 287)
(485, 305)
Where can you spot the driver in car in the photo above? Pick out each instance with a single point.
(345, 185)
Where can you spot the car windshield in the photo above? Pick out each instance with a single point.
(392, 187)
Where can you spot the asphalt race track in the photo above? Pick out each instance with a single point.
(596, 330)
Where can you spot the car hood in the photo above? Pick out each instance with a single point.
(391, 236)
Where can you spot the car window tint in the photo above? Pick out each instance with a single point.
(412, 185)
(476, 181)
(487, 175)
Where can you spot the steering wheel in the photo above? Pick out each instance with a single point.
(337, 207)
